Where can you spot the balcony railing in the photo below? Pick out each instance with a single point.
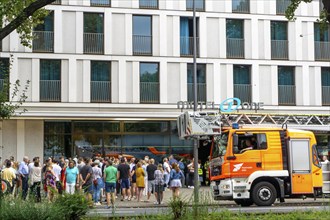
(281, 6)
(201, 92)
(102, 3)
(50, 90)
(187, 46)
(57, 2)
(149, 92)
(199, 5)
(280, 49)
(93, 43)
(325, 95)
(322, 50)
(235, 48)
(148, 4)
(142, 45)
(43, 41)
(243, 92)
(286, 95)
(100, 91)
(241, 6)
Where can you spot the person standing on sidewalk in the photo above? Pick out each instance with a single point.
(57, 170)
(97, 182)
(86, 175)
(71, 177)
(167, 170)
(159, 184)
(35, 175)
(123, 176)
(139, 180)
(23, 171)
(176, 175)
(110, 179)
(151, 168)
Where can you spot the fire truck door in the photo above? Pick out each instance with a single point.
(300, 166)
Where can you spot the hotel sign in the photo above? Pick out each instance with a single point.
(228, 105)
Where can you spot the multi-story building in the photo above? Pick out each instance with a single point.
(106, 76)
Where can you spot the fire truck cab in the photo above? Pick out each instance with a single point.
(259, 165)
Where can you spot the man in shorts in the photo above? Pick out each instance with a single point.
(151, 168)
(110, 179)
(123, 176)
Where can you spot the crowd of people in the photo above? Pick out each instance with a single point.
(110, 178)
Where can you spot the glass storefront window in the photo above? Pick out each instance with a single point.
(146, 127)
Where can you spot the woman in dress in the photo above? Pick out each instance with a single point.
(175, 176)
(159, 184)
(139, 180)
(50, 182)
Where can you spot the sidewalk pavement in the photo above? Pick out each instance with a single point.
(205, 197)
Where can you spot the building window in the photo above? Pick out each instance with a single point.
(44, 35)
(279, 40)
(100, 81)
(286, 85)
(281, 6)
(186, 37)
(250, 142)
(321, 42)
(241, 6)
(50, 80)
(199, 5)
(93, 33)
(142, 35)
(235, 38)
(102, 3)
(201, 82)
(242, 83)
(4, 79)
(325, 77)
(148, 4)
(149, 83)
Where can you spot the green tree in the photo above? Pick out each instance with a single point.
(22, 16)
(324, 15)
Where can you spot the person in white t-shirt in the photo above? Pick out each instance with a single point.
(57, 171)
(167, 171)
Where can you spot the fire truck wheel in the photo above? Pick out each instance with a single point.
(244, 202)
(264, 194)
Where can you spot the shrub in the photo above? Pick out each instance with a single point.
(72, 206)
(178, 207)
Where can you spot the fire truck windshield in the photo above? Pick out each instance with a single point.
(220, 145)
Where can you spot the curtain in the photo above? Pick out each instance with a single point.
(242, 74)
(286, 75)
(325, 76)
(235, 28)
(50, 69)
(279, 30)
(100, 71)
(184, 35)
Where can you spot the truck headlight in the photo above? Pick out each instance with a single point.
(225, 186)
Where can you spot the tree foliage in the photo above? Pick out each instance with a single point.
(22, 16)
(324, 14)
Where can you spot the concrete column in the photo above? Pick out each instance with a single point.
(318, 86)
(13, 75)
(163, 35)
(72, 80)
(293, 41)
(254, 40)
(79, 32)
(58, 31)
(228, 6)
(182, 5)
(210, 82)
(115, 3)
(255, 84)
(163, 82)
(267, 45)
(176, 36)
(86, 75)
(135, 3)
(230, 80)
(122, 81)
(107, 31)
(20, 140)
(310, 41)
(222, 38)
(35, 79)
(216, 83)
(248, 38)
(274, 83)
(136, 82)
(129, 33)
(208, 5)
(183, 82)
(202, 36)
(13, 41)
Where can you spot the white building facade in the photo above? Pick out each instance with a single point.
(106, 76)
